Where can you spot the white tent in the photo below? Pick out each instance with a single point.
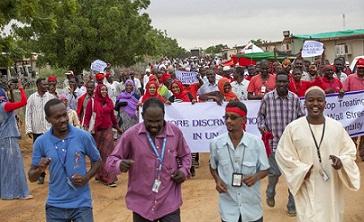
(251, 48)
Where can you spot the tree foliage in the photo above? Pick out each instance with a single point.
(215, 49)
(258, 41)
(73, 33)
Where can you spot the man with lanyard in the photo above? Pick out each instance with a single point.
(317, 159)
(277, 109)
(262, 83)
(63, 149)
(158, 160)
(238, 161)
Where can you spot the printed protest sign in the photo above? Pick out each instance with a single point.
(98, 65)
(186, 77)
(312, 48)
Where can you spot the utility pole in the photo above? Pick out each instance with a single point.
(344, 21)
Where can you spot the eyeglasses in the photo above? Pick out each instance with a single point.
(232, 117)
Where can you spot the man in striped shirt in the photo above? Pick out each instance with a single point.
(278, 108)
(35, 122)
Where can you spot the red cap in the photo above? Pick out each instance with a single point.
(52, 78)
(360, 63)
(70, 73)
(107, 75)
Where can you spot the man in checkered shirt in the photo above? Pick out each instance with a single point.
(278, 108)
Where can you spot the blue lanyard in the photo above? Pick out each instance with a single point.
(161, 156)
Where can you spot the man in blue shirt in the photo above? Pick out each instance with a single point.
(63, 149)
(238, 161)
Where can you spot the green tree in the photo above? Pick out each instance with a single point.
(258, 41)
(73, 33)
(165, 46)
(215, 49)
(86, 30)
(24, 11)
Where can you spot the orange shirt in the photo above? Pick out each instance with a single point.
(258, 87)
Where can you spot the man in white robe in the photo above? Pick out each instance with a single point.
(317, 197)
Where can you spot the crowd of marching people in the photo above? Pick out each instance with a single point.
(103, 109)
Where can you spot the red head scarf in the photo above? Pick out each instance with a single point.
(153, 78)
(99, 103)
(229, 95)
(327, 66)
(147, 94)
(99, 76)
(165, 77)
(183, 93)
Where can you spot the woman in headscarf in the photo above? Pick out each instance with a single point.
(224, 93)
(180, 94)
(104, 122)
(162, 89)
(72, 114)
(331, 84)
(13, 182)
(151, 90)
(126, 105)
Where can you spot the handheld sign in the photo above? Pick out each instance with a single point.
(98, 65)
(186, 77)
(312, 48)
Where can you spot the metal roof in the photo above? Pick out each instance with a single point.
(332, 35)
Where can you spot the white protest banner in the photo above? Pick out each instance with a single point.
(202, 122)
(186, 77)
(312, 48)
(349, 111)
(98, 65)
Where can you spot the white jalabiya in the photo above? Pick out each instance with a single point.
(317, 200)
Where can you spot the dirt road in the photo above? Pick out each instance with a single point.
(199, 195)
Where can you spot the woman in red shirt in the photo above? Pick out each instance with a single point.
(298, 86)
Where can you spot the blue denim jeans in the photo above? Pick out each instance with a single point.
(82, 214)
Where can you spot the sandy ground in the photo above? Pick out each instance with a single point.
(199, 196)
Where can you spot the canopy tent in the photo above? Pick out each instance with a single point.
(252, 58)
(331, 35)
(251, 48)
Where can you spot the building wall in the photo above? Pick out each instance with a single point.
(356, 48)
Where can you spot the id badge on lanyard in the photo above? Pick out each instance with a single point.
(157, 182)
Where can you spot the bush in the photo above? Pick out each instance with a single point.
(59, 73)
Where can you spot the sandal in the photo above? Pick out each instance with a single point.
(27, 197)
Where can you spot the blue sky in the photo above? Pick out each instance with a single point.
(202, 23)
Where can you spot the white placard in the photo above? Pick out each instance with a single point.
(98, 65)
(186, 77)
(312, 48)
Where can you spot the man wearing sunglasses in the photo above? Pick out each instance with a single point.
(238, 162)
